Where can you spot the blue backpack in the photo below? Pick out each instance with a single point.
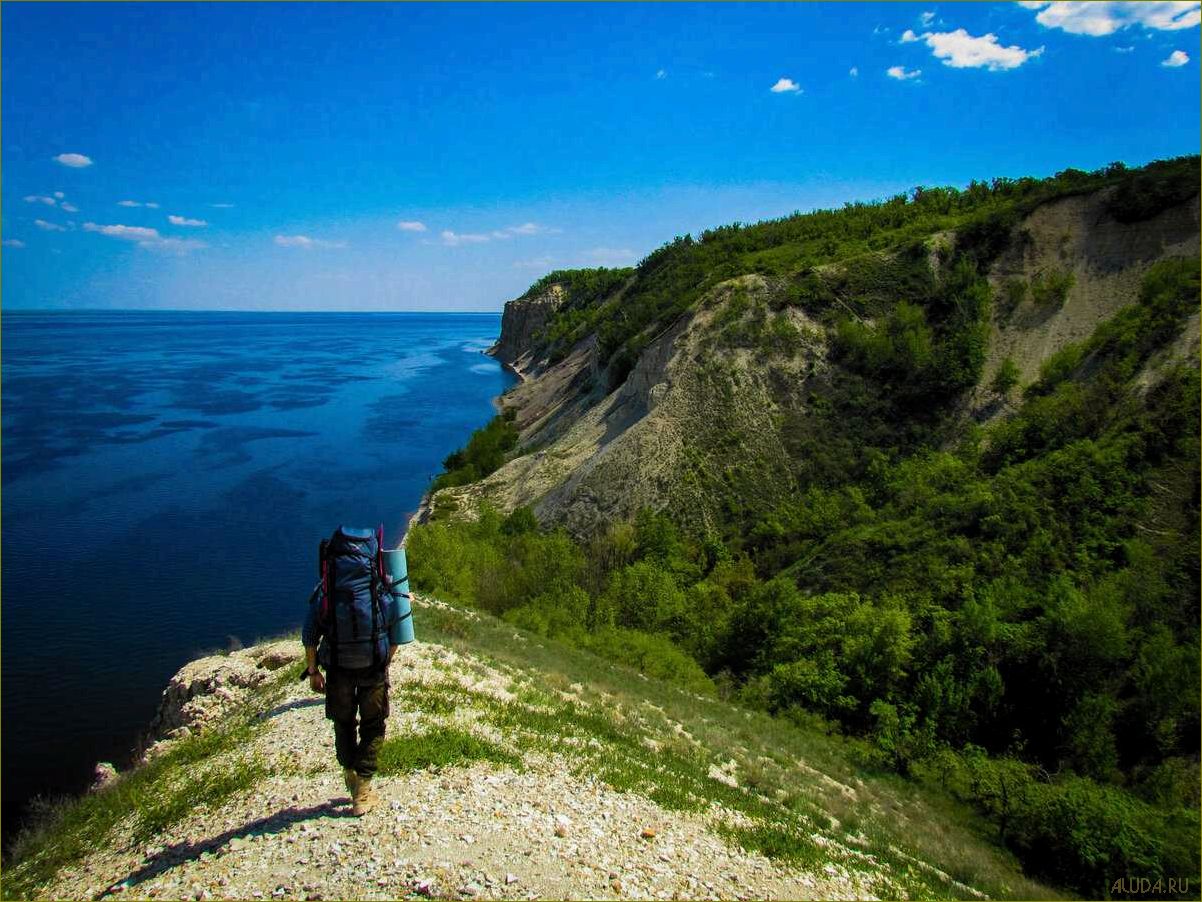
(353, 587)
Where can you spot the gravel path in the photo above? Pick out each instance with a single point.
(478, 831)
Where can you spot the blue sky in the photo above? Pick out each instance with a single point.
(411, 156)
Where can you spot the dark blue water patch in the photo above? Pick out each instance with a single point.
(190, 424)
(217, 402)
(297, 401)
(167, 477)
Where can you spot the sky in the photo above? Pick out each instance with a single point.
(408, 156)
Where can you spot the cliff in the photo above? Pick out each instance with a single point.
(521, 323)
(512, 769)
(721, 397)
(926, 469)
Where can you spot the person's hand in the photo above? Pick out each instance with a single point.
(317, 682)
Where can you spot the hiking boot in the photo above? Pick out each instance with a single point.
(351, 779)
(364, 799)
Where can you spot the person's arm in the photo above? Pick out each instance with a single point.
(310, 636)
(316, 681)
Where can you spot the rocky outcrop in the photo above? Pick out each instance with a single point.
(1106, 260)
(204, 690)
(698, 423)
(533, 820)
(521, 321)
(661, 439)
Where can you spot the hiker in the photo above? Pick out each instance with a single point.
(357, 619)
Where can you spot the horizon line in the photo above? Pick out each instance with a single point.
(233, 310)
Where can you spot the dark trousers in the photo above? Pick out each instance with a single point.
(351, 692)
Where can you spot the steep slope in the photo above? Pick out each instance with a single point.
(925, 470)
(1104, 260)
(525, 771)
(731, 373)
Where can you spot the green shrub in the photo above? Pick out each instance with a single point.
(1013, 293)
(1145, 193)
(484, 453)
(1005, 378)
(1050, 289)
(654, 656)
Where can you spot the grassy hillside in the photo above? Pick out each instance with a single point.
(1008, 613)
(507, 752)
(626, 309)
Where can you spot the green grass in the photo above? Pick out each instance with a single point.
(618, 710)
(442, 747)
(776, 842)
(203, 769)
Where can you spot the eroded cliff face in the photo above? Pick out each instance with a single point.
(521, 322)
(664, 438)
(696, 423)
(1106, 260)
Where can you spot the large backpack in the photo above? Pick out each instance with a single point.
(353, 610)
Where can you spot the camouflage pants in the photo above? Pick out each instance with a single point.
(348, 693)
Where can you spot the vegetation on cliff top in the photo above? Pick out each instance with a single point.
(1009, 614)
(627, 308)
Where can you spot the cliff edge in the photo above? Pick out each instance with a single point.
(512, 769)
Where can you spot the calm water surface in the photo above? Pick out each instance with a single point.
(166, 480)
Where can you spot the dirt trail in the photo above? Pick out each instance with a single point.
(480, 831)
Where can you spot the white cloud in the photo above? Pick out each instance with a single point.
(48, 226)
(74, 160)
(908, 37)
(185, 221)
(661, 74)
(901, 73)
(221, 206)
(960, 50)
(306, 242)
(530, 228)
(411, 225)
(1102, 17)
(39, 199)
(1124, 49)
(927, 18)
(541, 263)
(128, 233)
(150, 205)
(13, 242)
(145, 237)
(59, 195)
(1175, 59)
(128, 203)
(785, 86)
(172, 245)
(455, 239)
(611, 256)
(854, 71)
(69, 208)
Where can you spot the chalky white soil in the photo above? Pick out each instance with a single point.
(481, 831)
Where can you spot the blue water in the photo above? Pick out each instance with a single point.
(166, 480)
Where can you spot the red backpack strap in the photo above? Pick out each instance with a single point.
(380, 553)
(326, 587)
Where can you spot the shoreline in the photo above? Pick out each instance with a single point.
(425, 508)
(522, 377)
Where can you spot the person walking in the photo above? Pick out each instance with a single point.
(352, 630)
